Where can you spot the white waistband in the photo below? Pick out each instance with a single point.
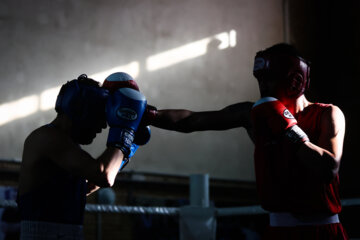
(285, 219)
(46, 230)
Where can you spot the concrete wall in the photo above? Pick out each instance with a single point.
(45, 43)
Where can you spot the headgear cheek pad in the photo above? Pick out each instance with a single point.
(78, 100)
(284, 65)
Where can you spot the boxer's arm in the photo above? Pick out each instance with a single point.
(324, 158)
(69, 156)
(91, 188)
(102, 171)
(233, 116)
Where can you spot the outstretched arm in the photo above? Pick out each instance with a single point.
(186, 121)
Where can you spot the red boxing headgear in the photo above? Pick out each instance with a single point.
(281, 62)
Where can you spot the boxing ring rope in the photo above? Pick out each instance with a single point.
(105, 208)
(174, 211)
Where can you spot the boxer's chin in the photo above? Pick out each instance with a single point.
(84, 137)
(86, 141)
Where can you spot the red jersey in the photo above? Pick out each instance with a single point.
(284, 185)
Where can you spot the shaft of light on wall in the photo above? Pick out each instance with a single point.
(18, 109)
(190, 51)
(132, 68)
(46, 100)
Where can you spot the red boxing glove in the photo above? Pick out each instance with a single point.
(119, 80)
(149, 116)
(269, 114)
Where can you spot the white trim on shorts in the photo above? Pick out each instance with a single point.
(34, 230)
(285, 219)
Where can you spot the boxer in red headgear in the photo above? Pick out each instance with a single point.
(298, 146)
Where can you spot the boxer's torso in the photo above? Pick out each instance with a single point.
(284, 185)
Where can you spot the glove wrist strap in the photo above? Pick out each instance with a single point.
(122, 139)
(296, 135)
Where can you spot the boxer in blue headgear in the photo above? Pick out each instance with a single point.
(83, 101)
(56, 174)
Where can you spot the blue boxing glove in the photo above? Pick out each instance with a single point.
(120, 80)
(124, 110)
(142, 137)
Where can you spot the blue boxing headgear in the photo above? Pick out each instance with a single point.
(80, 97)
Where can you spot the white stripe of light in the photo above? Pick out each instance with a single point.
(18, 109)
(189, 51)
(132, 68)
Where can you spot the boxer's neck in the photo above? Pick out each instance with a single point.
(295, 105)
(62, 122)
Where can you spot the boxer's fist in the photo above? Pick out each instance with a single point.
(149, 116)
(273, 114)
(123, 80)
(119, 80)
(124, 110)
(270, 114)
(142, 135)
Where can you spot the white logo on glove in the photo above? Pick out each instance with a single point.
(127, 114)
(288, 114)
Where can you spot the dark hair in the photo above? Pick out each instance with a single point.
(84, 79)
(283, 48)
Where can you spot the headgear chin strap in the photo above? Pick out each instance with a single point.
(78, 99)
(278, 64)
